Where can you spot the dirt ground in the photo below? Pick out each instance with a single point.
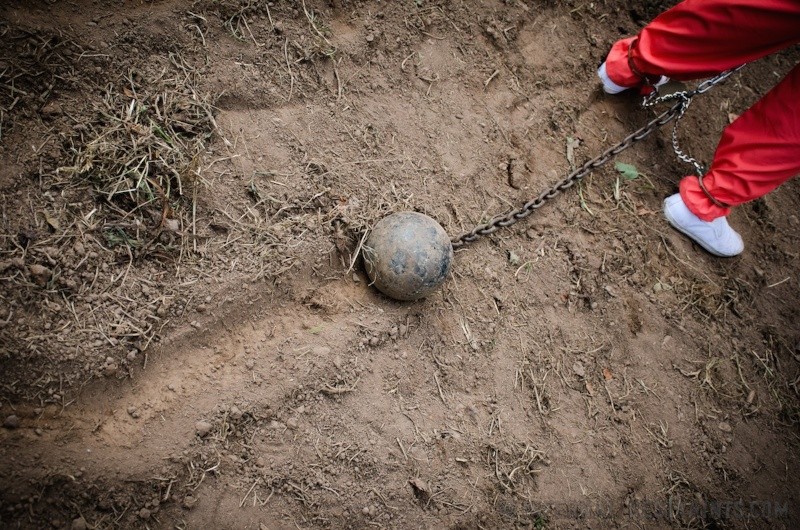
(189, 340)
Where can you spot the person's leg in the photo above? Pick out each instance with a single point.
(701, 38)
(756, 154)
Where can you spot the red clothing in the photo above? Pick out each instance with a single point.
(700, 38)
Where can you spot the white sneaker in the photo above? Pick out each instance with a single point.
(715, 236)
(610, 87)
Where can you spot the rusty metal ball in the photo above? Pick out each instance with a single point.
(407, 255)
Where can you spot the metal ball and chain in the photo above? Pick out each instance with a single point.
(408, 255)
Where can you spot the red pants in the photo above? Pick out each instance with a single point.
(700, 38)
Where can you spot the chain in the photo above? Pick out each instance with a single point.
(682, 155)
(682, 101)
(685, 98)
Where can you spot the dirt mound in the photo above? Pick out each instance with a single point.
(188, 337)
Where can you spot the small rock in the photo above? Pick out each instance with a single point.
(11, 422)
(79, 524)
(189, 502)
(235, 413)
(110, 370)
(725, 427)
(144, 514)
(202, 428)
(420, 485)
(337, 362)
(513, 258)
(579, 370)
(321, 351)
(40, 274)
(52, 108)
(131, 356)
(292, 423)
(356, 279)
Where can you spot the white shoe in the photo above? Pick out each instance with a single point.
(715, 236)
(610, 87)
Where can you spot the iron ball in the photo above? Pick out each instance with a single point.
(407, 255)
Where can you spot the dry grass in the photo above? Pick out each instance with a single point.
(139, 149)
(515, 464)
(143, 152)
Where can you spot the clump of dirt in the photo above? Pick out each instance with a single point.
(188, 337)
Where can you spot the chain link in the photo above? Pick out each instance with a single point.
(682, 101)
(685, 98)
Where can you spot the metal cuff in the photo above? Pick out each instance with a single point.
(708, 194)
(648, 80)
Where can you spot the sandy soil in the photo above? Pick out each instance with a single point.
(188, 341)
